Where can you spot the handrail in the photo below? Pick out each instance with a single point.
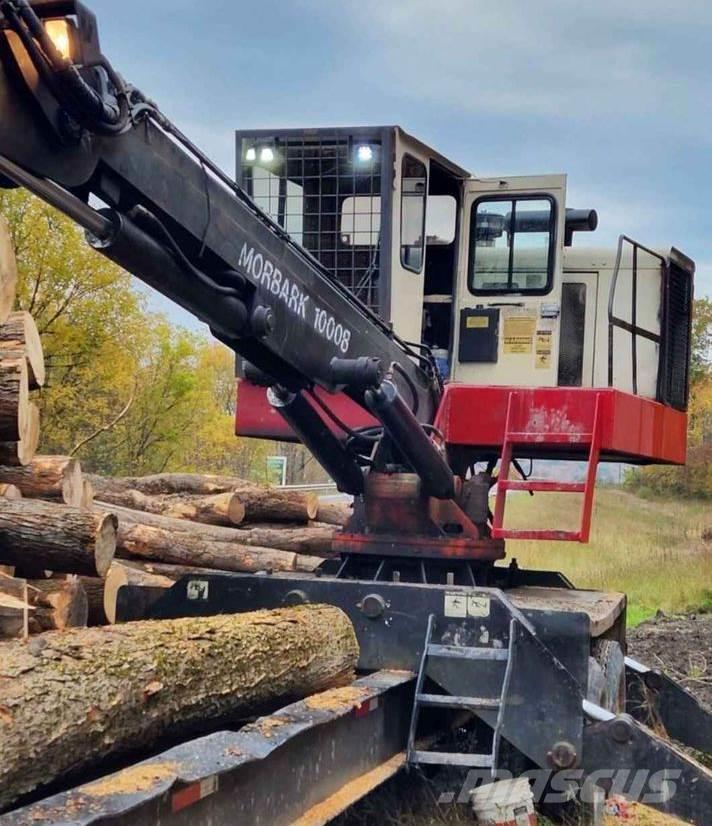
(632, 325)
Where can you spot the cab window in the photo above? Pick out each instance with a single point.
(512, 245)
(414, 180)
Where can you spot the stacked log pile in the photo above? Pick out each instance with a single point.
(64, 559)
(49, 530)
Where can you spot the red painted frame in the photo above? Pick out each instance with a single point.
(632, 428)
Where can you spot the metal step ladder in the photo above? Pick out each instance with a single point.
(431, 650)
(514, 438)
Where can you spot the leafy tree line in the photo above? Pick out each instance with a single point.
(694, 480)
(127, 391)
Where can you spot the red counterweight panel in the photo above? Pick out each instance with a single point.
(633, 429)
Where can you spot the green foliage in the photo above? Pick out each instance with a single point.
(126, 390)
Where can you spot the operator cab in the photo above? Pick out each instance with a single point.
(485, 274)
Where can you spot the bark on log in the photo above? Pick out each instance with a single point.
(8, 271)
(120, 575)
(161, 494)
(94, 589)
(68, 699)
(299, 539)
(334, 513)
(217, 509)
(19, 338)
(58, 603)
(14, 399)
(196, 484)
(274, 505)
(19, 454)
(55, 537)
(148, 542)
(48, 477)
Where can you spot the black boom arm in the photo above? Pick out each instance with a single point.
(73, 132)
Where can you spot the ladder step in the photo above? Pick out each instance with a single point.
(450, 701)
(506, 533)
(446, 758)
(461, 652)
(527, 438)
(543, 485)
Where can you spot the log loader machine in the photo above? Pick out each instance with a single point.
(416, 328)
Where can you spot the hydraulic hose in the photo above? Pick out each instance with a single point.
(84, 103)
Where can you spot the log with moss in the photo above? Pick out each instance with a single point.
(69, 699)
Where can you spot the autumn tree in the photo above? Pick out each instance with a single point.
(126, 391)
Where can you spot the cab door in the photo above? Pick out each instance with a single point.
(508, 305)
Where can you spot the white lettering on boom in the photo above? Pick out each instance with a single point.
(265, 274)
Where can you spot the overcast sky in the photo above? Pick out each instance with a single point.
(617, 95)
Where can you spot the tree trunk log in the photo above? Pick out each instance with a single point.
(19, 337)
(94, 589)
(301, 540)
(15, 606)
(162, 492)
(334, 513)
(8, 271)
(298, 539)
(274, 505)
(195, 484)
(48, 477)
(19, 454)
(102, 691)
(120, 575)
(51, 536)
(58, 603)
(151, 543)
(14, 399)
(217, 509)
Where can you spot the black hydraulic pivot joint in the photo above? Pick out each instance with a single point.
(313, 432)
(412, 441)
(358, 374)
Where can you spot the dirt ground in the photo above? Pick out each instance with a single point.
(680, 646)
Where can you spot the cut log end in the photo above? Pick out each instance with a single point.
(8, 271)
(19, 336)
(235, 510)
(14, 398)
(10, 492)
(73, 484)
(105, 546)
(120, 575)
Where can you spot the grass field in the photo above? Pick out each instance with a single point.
(658, 552)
